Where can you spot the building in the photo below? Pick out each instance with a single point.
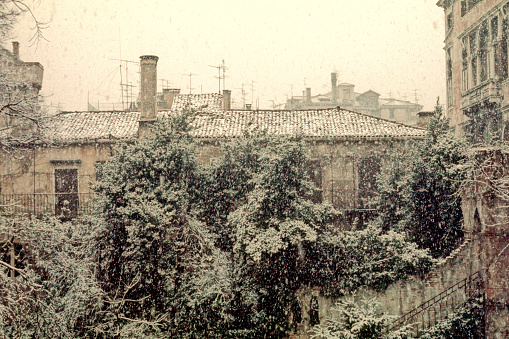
(369, 102)
(17, 71)
(346, 148)
(476, 50)
(20, 83)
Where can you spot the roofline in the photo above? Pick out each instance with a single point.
(338, 108)
(326, 139)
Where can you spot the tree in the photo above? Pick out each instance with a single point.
(357, 320)
(228, 181)
(55, 293)
(418, 194)
(275, 227)
(152, 239)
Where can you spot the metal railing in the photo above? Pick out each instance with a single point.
(440, 306)
(39, 204)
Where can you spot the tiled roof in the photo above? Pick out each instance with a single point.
(208, 102)
(76, 126)
(396, 102)
(326, 123)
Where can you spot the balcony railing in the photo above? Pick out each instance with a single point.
(67, 205)
(485, 91)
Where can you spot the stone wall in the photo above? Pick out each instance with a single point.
(403, 296)
(485, 205)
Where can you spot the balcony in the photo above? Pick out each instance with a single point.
(66, 205)
(487, 91)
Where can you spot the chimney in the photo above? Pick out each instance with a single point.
(334, 81)
(15, 49)
(424, 118)
(227, 97)
(308, 95)
(248, 107)
(169, 95)
(148, 91)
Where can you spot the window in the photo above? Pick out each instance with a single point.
(464, 64)
(368, 170)
(450, 22)
(501, 52)
(484, 36)
(473, 55)
(391, 113)
(449, 77)
(314, 172)
(66, 192)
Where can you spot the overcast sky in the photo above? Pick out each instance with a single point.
(394, 47)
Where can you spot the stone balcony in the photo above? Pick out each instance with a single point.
(488, 91)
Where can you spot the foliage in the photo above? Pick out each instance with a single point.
(228, 180)
(274, 229)
(55, 294)
(357, 321)
(368, 257)
(418, 194)
(466, 322)
(152, 239)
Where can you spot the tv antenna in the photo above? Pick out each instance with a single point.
(125, 85)
(190, 75)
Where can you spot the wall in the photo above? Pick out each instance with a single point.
(485, 205)
(490, 206)
(338, 163)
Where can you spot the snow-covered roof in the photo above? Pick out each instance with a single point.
(396, 102)
(207, 101)
(330, 123)
(82, 126)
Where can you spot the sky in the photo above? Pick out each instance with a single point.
(275, 47)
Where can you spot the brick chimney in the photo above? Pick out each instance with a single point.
(424, 118)
(227, 99)
(169, 95)
(148, 91)
(308, 95)
(334, 82)
(15, 48)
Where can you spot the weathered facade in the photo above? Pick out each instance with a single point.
(346, 148)
(476, 49)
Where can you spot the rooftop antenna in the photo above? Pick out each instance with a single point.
(224, 68)
(218, 77)
(165, 81)
(252, 91)
(126, 84)
(243, 96)
(190, 75)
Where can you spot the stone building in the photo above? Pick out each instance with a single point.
(346, 148)
(369, 102)
(20, 83)
(18, 71)
(476, 50)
